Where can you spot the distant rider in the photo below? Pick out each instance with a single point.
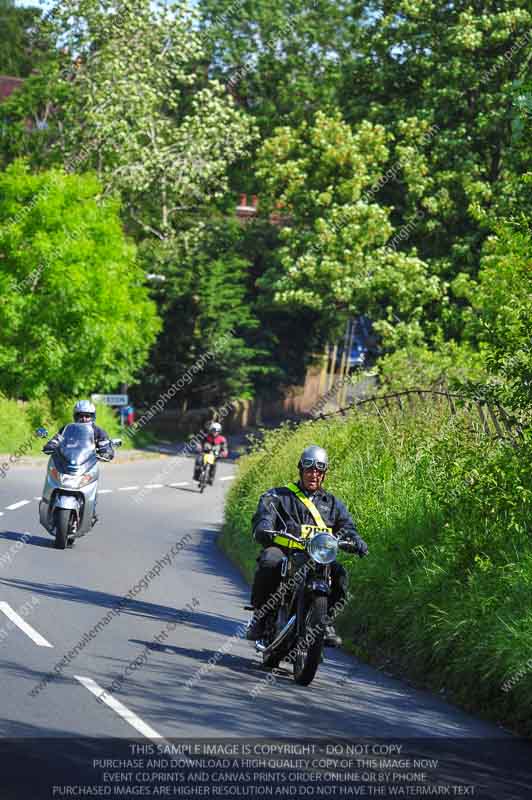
(85, 412)
(280, 509)
(218, 445)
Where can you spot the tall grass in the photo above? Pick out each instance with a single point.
(446, 512)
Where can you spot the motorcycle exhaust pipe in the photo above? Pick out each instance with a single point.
(282, 635)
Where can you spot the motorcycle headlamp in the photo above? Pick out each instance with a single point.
(323, 548)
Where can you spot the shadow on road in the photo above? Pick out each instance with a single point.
(34, 541)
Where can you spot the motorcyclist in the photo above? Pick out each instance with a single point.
(216, 444)
(280, 509)
(85, 412)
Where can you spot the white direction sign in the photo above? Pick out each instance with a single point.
(111, 399)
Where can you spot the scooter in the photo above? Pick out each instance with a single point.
(66, 509)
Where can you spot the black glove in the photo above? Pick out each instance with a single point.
(263, 538)
(362, 547)
(356, 545)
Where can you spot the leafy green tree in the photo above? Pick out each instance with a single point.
(203, 297)
(336, 258)
(280, 59)
(21, 45)
(448, 69)
(502, 306)
(131, 100)
(75, 315)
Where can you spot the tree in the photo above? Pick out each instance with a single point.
(207, 312)
(336, 258)
(131, 100)
(75, 316)
(21, 46)
(448, 68)
(502, 306)
(280, 59)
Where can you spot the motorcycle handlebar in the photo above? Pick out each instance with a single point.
(346, 544)
(285, 533)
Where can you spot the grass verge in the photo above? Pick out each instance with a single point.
(445, 595)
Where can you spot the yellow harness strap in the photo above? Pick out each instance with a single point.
(318, 519)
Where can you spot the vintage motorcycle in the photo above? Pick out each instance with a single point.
(66, 509)
(208, 460)
(295, 628)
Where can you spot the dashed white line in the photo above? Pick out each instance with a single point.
(37, 498)
(17, 505)
(154, 486)
(128, 488)
(105, 491)
(24, 626)
(181, 483)
(119, 707)
(228, 478)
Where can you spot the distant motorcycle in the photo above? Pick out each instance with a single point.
(66, 509)
(295, 629)
(208, 461)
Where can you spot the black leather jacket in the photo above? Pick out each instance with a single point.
(101, 440)
(278, 507)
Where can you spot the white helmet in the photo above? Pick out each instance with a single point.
(84, 408)
(215, 428)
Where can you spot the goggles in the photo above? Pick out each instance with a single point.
(308, 463)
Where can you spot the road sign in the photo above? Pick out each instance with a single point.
(111, 399)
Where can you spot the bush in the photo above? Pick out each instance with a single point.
(19, 421)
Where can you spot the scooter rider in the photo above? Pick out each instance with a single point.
(217, 444)
(85, 412)
(282, 509)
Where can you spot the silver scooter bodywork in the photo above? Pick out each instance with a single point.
(71, 481)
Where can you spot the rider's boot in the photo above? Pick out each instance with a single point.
(256, 628)
(331, 638)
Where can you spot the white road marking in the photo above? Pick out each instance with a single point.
(119, 707)
(24, 626)
(37, 498)
(105, 491)
(228, 478)
(154, 486)
(17, 505)
(128, 488)
(181, 483)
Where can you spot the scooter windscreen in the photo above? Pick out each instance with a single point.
(78, 445)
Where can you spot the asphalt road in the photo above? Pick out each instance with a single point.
(172, 601)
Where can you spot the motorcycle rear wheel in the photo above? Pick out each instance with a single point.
(62, 527)
(307, 661)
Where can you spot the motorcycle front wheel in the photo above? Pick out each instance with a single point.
(203, 480)
(308, 657)
(62, 527)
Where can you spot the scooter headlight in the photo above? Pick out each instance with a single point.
(323, 548)
(75, 481)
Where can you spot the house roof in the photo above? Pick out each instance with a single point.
(8, 84)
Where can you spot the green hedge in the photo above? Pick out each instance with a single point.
(19, 421)
(445, 594)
